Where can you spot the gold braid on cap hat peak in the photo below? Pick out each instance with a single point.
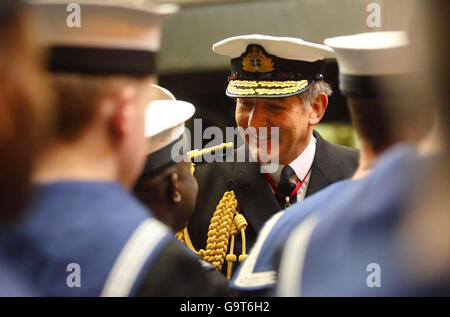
(226, 223)
(264, 88)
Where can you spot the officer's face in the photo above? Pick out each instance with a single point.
(288, 114)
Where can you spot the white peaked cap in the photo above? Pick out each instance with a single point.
(283, 47)
(162, 93)
(372, 54)
(101, 37)
(104, 24)
(263, 66)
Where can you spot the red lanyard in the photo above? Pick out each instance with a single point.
(294, 192)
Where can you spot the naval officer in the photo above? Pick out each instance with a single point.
(374, 112)
(277, 82)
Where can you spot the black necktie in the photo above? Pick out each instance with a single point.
(285, 186)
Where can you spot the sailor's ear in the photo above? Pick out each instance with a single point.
(117, 109)
(175, 192)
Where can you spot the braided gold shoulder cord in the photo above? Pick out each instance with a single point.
(225, 222)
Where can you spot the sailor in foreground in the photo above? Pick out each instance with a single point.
(345, 242)
(167, 185)
(168, 188)
(84, 234)
(278, 83)
(25, 110)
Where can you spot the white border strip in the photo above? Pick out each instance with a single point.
(293, 258)
(132, 257)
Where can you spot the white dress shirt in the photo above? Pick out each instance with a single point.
(301, 166)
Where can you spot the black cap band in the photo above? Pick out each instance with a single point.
(72, 59)
(373, 86)
(165, 156)
(287, 70)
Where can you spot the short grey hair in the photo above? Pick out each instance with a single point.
(308, 96)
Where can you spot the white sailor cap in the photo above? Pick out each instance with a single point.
(161, 93)
(267, 66)
(368, 61)
(101, 37)
(165, 130)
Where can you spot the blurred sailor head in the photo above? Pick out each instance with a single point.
(25, 105)
(374, 71)
(277, 82)
(166, 184)
(102, 72)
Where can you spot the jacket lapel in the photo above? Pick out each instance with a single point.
(254, 195)
(255, 198)
(324, 170)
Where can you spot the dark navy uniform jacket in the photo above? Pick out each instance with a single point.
(256, 200)
(92, 238)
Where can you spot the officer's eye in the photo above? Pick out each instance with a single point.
(246, 104)
(274, 107)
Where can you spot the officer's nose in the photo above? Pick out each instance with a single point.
(258, 117)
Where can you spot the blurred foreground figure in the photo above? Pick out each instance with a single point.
(389, 236)
(25, 108)
(84, 234)
(423, 236)
(373, 110)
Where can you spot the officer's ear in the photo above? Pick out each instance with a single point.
(318, 107)
(175, 192)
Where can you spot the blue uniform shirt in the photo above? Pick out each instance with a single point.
(83, 239)
(259, 269)
(11, 284)
(350, 249)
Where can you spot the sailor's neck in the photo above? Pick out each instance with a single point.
(75, 162)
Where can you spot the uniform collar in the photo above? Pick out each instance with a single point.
(301, 164)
